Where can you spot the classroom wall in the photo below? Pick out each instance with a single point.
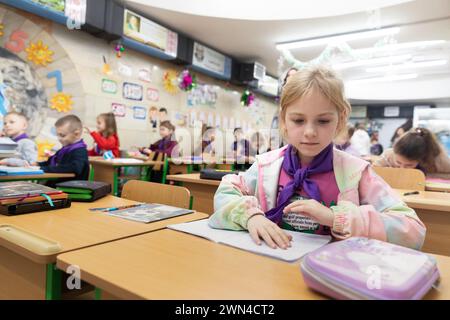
(79, 58)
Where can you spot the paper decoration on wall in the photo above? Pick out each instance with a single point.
(1, 29)
(180, 119)
(125, 70)
(153, 117)
(118, 109)
(247, 98)
(218, 121)
(109, 86)
(106, 69)
(58, 76)
(39, 54)
(153, 94)
(44, 148)
(145, 74)
(119, 49)
(232, 123)
(132, 91)
(202, 95)
(210, 119)
(202, 117)
(186, 80)
(170, 81)
(225, 123)
(192, 118)
(139, 113)
(61, 102)
(16, 41)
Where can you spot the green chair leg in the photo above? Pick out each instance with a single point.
(98, 294)
(165, 170)
(53, 283)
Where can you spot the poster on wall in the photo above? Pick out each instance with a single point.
(76, 11)
(132, 91)
(150, 33)
(210, 119)
(119, 110)
(202, 117)
(218, 121)
(180, 119)
(139, 113)
(211, 60)
(57, 5)
(109, 86)
(125, 70)
(192, 118)
(153, 117)
(152, 94)
(145, 74)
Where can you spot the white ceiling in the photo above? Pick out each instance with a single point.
(254, 40)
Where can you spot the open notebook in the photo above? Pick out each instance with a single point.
(302, 243)
(149, 212)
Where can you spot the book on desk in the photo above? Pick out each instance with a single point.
(26, 197)
(147, 212)
(19, 171)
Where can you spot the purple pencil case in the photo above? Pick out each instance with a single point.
(360, 268)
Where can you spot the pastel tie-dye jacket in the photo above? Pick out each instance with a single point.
(366, 207)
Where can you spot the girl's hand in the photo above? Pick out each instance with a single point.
(260, 227)
(313, 209)
(87, 130)
(146, 151)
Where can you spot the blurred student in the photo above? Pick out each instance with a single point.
(105, 138)
(416, 149)
(15, 125)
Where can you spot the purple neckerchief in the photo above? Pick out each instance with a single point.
(321, 163)
(59, 155)
(342, 147)
(163, 143)
(20, 137)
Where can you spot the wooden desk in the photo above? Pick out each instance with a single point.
(108, 171)
(437, 186)
(37, 177)
(26, 273)
(202, 190)
(433, 208)
(172, 265)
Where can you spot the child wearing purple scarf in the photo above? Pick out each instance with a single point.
(167, 144)
(73, 156)
(15, 125)
(310, 186)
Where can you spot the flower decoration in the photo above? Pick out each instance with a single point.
(187, 81)
(1, 29)
(61, 102)
(119, 50)
(247, 98)
(170, 81)
(44, 149)
(39, 53)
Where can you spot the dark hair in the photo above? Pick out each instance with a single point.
(237, 129)
(286, 76)
(163, 110)
(421, 145)
(406, 127)
(167, 124)
(110, 123)
(74, 122)
(351, 131)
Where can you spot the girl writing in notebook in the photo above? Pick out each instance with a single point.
(417, 149)
(105, 138)
(309, 186)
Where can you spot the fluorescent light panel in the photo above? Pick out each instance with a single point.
(413, 65)
(365, 62)
(337, 39)
(386, 78)
(399, 46)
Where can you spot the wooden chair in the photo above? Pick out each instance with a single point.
(151, 192)
(400, 178)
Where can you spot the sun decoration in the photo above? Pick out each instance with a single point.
(44, 149)
(39, 53)
(1, 29)
(61, 102)
(170, 81)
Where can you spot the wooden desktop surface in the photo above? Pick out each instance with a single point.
(77, 227)
(167, 264)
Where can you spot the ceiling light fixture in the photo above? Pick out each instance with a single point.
(413, 65)
(365, 62)
(337, 38)
(385, 79)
